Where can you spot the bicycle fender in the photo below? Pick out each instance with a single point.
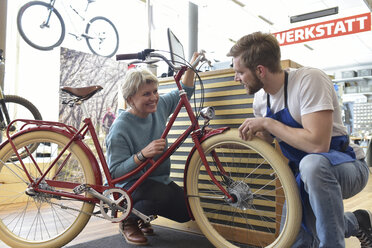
(205, 137)
(92, 159)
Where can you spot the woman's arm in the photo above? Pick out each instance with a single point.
(188, 78)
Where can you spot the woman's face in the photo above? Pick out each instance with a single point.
(145, 101)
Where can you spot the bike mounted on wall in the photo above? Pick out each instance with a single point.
(42, 26)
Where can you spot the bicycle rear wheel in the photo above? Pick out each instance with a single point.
(260, 182)
(102, 37)
(16, 107)
(40, 219)
(40, 25)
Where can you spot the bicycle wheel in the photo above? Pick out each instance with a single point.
(40, 219)
(16, 107)
(40, 25)
(259, 180)
(102, 37)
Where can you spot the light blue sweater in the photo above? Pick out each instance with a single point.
(129, 134)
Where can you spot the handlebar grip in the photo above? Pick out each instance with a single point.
(141, 55)
(129, 56)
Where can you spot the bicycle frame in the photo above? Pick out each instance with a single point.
(83, 18)
(4, 115)
(78, 135)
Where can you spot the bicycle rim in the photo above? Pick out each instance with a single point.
(42, 220)
(102, 37)
(259, 180)
(36, 29)
(19, 108)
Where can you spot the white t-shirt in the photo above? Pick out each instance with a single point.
(309, 90)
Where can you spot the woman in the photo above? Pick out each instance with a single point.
(135, 136)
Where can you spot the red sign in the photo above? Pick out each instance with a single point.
(324, 30)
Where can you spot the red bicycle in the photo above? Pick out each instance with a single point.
(235, 189)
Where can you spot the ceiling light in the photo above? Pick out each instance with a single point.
(369, 4)
(309, 47)
(239, 3)
(233, 41)
(265, 20)
(312, 15)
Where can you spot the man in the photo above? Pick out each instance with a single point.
(300, 109)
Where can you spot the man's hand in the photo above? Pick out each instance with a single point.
(251, 126)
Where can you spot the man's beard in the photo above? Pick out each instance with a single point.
(255, 86)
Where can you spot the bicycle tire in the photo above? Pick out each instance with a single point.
(38, 25)
(17, 107)
(37, 221)
(94, 44)
(255, 219)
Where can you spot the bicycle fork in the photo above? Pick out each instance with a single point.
(230, 198)
(4, 119)
(46, 23)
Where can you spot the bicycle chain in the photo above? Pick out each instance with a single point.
(77, 210)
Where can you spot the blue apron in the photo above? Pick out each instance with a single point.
(340, 151)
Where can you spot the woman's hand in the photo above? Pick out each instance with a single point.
(188, 78)
(156, 147)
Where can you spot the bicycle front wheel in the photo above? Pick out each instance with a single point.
(16, 107)
(41, 25)
(102, 37)
(36, 219)
(260, 182)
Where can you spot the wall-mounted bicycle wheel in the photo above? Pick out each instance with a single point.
(102, 37)
(16, 107)
(40, 25)
(260, 182)
(35, 219)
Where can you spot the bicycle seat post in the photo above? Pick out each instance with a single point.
(84, 109)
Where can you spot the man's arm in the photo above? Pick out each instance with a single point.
(314, 137)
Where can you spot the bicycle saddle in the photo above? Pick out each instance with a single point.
(83, 93)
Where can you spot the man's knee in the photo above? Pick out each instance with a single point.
(313, 165)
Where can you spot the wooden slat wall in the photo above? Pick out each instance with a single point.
(232, 106)
(231, 103)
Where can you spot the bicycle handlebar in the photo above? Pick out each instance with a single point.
(149, 53)
(141, 55)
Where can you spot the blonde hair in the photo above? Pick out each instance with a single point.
(134, 78)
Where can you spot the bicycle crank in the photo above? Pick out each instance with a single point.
(117, 205)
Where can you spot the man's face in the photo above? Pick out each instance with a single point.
(246, 77)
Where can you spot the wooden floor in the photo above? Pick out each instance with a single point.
(361, 201)
(93, 230)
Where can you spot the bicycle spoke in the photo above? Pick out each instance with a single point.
(253, 218)
(41, 217)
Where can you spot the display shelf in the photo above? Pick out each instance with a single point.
(353, 79)
(358, 93)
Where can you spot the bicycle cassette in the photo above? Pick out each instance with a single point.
(121, 205)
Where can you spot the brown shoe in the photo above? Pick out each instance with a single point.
(146, 228)
(131, 232)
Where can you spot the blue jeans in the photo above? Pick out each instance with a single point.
(326, 223)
